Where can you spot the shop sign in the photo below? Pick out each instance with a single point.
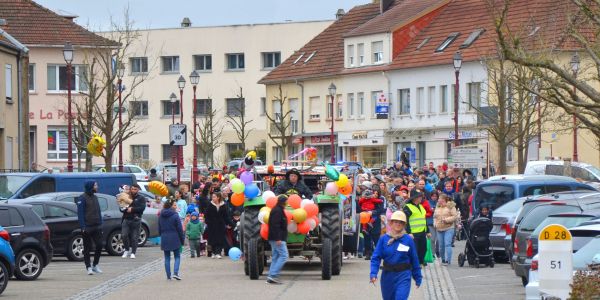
(320, 139)
(382, 107)
(359, 135)
(298, 140)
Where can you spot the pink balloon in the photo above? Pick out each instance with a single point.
(331, 188)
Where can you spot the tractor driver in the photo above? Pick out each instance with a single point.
(293, 185)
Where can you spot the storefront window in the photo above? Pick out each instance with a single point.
(374, 156)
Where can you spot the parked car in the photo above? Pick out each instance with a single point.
(23, 185)
(140, 174)
(583, 171)
(583, 234)
(29, 239)
(503, 219)
(501, 189)
(7, 259)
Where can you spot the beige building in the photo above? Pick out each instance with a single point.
(230, 61)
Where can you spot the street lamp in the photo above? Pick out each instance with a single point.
(332, 92)
(181, 85)
(68, 56)
(120, 73)
(575, 67)
(194, 79)
(173, 99)
(457, 61)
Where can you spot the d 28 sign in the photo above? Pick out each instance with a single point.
(555, 260)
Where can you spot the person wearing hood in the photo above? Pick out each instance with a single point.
(445, 217)
(400, 261)
(90, 221)
(171, 237)
(194, 231)
(293, 185)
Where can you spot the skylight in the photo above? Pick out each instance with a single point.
(423, 42)
(472, 37)
(310, 56)
(534, 31)
(447, 42)
(299, 58)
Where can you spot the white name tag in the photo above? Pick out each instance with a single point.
(403, 248)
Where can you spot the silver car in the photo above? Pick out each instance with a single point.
(503, 219)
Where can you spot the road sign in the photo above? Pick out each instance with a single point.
(382, 107)
(177, 135)
(467, 155)
(555, 263)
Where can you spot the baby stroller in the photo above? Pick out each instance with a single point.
(477, 250)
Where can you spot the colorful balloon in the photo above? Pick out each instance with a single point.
(261, 217)
(294, 201)
(305, 202)
(331, 189)
(237, 186)
(342, 181)
(237, 199)
(299, 215)
(264, 231)
(311, 210)
(158, 188)
(288, 215)
(235, 253)
(365, 217)
(270, 202)
(251, 191)
(271, 169)
(312, 223)
(252, 154)
(96, 145)
(265, 209)
(316, 220)
(292, 227)
(303, 228)
(247, 177)
(332, 173)
(347, 190)
(268, 194)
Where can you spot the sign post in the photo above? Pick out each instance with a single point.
(177, 135)
(382, 107)
(555, 260)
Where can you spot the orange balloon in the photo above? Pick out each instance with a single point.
(270, 169)
(311, 210)
(271, 202)
(288, 215)
(303, 228)
(264, 231)
(237, 199)
(365, 217)
(294, 201)
(346, 190)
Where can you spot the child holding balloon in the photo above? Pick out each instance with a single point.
(368, 203)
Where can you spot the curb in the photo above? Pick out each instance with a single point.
(439, 285)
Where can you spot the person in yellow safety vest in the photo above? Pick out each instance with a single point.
(416, 226)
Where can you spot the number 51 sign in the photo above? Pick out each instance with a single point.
(555, 260)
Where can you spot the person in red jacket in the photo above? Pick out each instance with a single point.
(368, 203)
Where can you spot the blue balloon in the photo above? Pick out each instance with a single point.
(235, 253)
(343, 197)
(251, 191)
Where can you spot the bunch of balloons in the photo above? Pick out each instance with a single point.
(301, 214)
(341, 182)
(244, 187)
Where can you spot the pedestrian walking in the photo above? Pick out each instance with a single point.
(400, 261)
(277, 239)
(132, 220)
(171, 237)
(193, 231)
(90, 222)
(217, 220)
(445, 218)
(417, 226)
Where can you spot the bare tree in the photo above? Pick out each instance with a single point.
(279, 124)
(211, 132)
(239, 122)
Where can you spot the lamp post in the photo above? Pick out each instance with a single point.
(173, 99)
(332, 91)
(194, 79)
(457, 60)
(575, 66)
(120, 73)
(181, 85)
(68, 56)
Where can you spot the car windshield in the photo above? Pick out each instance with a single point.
(585, 255)
(10, 184)
(594, 171)
(539, 213)
(511, 206)
(569, 222)
(493, 195)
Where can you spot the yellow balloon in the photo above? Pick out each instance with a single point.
(266, 218)
(299, 215)
(265, 208)
(342, 181)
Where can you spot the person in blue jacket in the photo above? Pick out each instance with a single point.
(90, 222)
(400, 261)
(171, 236)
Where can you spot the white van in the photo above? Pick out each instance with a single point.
(583, 171)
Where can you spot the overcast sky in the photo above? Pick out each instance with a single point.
(169, 13)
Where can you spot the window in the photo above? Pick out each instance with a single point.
(263, 106)
(329, 107)
(310, 56)
(139, 65)
(299, 58)
(38, 209)
(31, 78)
(40, 186)
(271, 59)
(452, 93)
(443, 98)
(474, 90)
(15, 217)
(420, 104)
(431, 100)
(139, 108)
(377, 48)
(140, 152)
(510, 153)
(374, 97)
(103, 201)
(168, 108)
(404, 99)
(340, 107)
(232, 147)
(170, 64)
(168, 152)
(471, 38)
(447, 42)
(203, 107)
(235, 106)
(202, 62)
(425, 41)
(315, 108)
(351, 105)
(8, 86)
(276, 108)
(361, 104)
(350, 55)
(58, 144)
(59, 212)
(235, 61)
(361, 54)
(57, 78)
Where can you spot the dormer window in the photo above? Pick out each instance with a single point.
(377, 48)
(447, 42)
(350, 55)
(472, 37)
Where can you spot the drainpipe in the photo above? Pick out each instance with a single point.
(390, 113)
(301, 85)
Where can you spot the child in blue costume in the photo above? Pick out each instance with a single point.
(400, 261)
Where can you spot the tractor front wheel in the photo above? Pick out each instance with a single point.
(332, 230)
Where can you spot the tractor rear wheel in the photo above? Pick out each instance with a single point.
(332, 230)
(326, 257)
(250, 229)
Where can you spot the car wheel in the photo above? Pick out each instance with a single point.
(143, 238)
(3, 277)
(75, 248)
(28, 265)
(114, 244)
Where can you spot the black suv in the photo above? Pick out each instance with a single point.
(29, 239)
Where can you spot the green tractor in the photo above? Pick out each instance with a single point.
(324, 241)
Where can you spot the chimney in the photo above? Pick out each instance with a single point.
(384, 5)
(186, 22)
(339, 14)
